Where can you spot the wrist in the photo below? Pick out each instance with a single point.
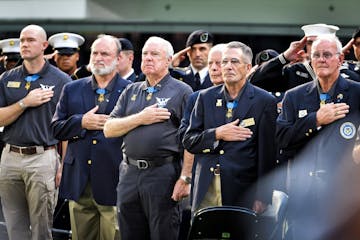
(283, 59)
(22, 105)
(186, 179)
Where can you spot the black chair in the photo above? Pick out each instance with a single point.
(237, 223)
(223, 222)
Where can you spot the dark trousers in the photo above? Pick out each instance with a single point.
(145, 208)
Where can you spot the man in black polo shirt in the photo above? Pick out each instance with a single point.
(29, 161)
(148, 115)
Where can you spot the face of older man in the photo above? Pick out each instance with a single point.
(325, 59)
(233, 67)
(214, 63)
(104, 57)
(155, 60)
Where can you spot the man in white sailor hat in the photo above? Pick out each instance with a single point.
(66, 46)
(10, 51)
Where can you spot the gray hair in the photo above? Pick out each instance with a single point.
(247, 54)
(168, 47)
(217, 48)
(111, 38)
(327, 38)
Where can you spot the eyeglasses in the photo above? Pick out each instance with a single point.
(325, 55)
(233, 61)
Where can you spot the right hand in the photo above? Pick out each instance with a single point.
(38, 96)
(233, 132)
(295, 50)
(330, 113)
(93, 121)
(179, 57)
(154, 114)
(347, 48)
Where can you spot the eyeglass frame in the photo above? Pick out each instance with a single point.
(325, 55)
(233, 62)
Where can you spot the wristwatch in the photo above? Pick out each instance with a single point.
(22, 104)
(186, 179)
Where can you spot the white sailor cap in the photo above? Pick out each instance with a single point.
(319, 29)
(66, 43)
(11, 45)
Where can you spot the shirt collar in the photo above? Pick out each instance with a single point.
(109, 87)
(202, 73)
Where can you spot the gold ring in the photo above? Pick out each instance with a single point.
(336, 113)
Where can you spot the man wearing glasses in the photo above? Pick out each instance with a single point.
(233, 147)
(317, 130)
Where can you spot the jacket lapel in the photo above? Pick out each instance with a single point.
(88, 93)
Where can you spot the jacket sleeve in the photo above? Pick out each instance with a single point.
(292, 129)
(197, 140)
(66, 126)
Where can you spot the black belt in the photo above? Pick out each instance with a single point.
(29, 150)
(144, 164)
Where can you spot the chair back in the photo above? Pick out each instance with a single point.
(223, 222)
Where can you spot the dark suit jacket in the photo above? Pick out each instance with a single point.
(243, 163)
(323, 177)
(296, 125)
(90, 156)
(187, 76)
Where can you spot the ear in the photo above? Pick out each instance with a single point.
(45, 45)
(341, 58)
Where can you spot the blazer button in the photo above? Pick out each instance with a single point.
(94, 141)
(89, 162)
(211, 169)
(221, 152)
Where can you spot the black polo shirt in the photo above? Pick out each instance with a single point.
(33, 126)
(159, 139)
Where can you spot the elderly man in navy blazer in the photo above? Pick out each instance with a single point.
(90, 169)
(232, 133)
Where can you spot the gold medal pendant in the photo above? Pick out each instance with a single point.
(27, 85)
(101, 98)
(322, 103)
(149, 96)
(229, 113)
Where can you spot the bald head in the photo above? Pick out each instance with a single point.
(38, 30)
(33, 42)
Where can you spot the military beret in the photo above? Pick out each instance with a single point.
(126, 44)
(199, 36)
(356, 34)
(265, 55)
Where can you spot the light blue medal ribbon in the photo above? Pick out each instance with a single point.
(29, 79)
(150, 91)
(323, 98)
(230, 106)
(101, 92)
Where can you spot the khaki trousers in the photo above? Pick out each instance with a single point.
(28, 193)
(213, 195)
(92, 221)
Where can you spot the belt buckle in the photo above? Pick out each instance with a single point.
(142, 164)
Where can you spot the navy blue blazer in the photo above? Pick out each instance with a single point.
(243, 163)
(187, 76)
(321, 167)
(296, 125)
(89, 156)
